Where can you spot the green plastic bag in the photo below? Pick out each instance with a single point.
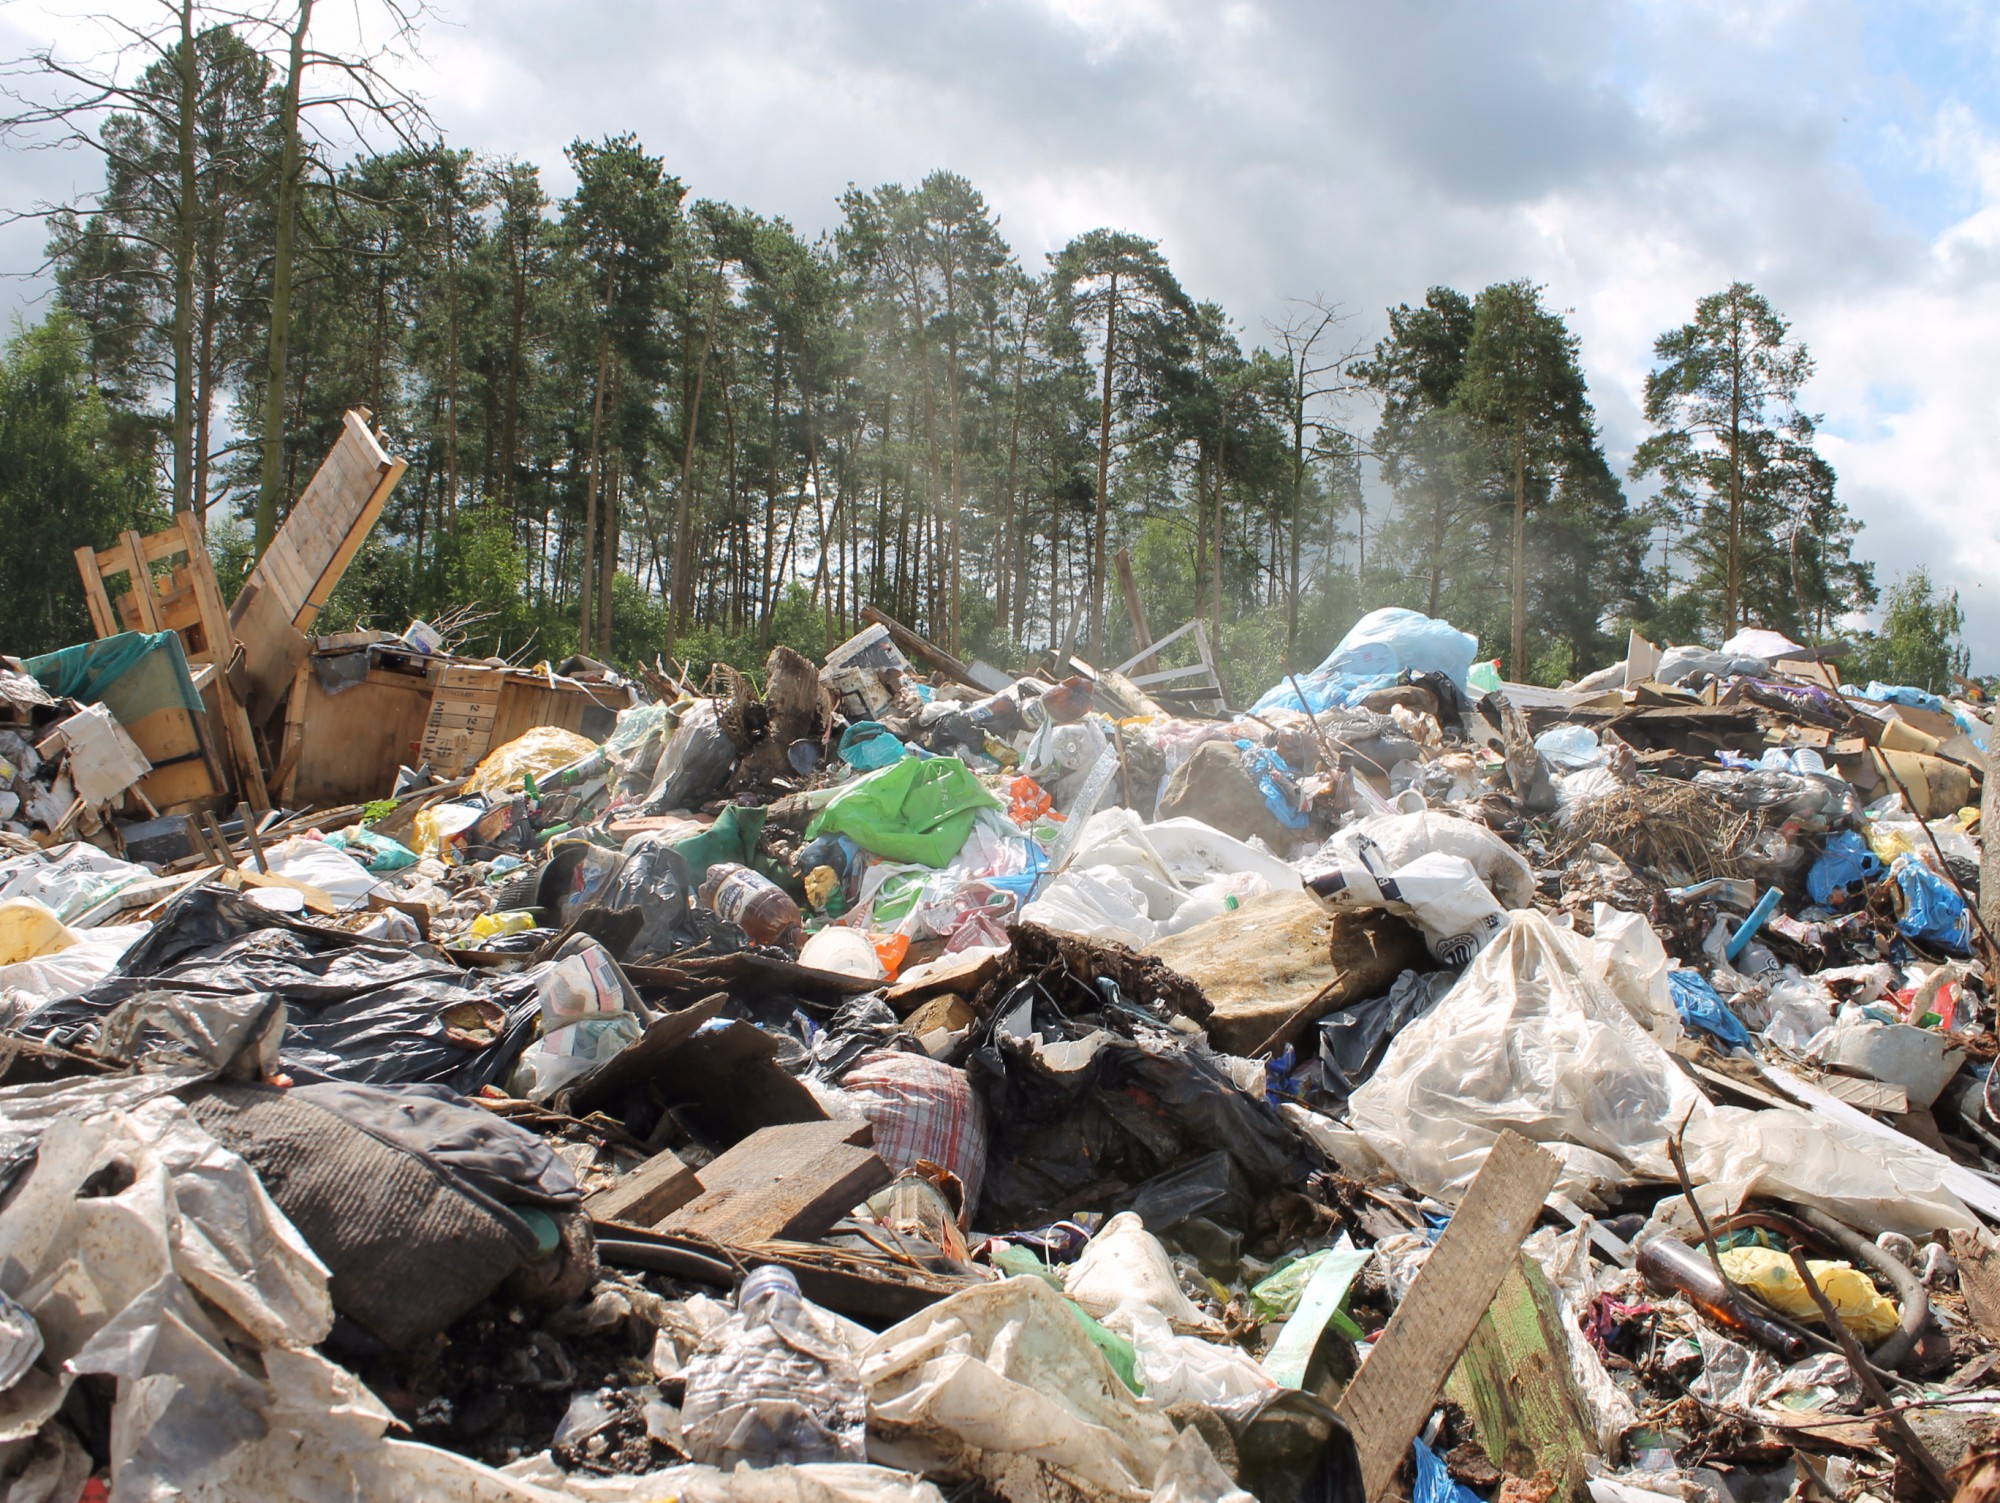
(919, 809)
(733, 837)
(1023, 1263)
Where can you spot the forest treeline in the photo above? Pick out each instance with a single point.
(642, 422)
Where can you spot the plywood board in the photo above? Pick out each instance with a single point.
(291, 582)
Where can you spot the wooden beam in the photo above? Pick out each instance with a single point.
(1515, 1383)
(916, 646)
(142, 581)
(793, 1181)
(650, 1193)
(1399, 1384)
(103, 619)
(1142, 634)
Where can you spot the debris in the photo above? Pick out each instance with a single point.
(908, 1079)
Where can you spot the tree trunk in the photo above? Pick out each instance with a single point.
(588, 551)
(1009, 544)
(1097, 559)
(1298, 509)
(451, 350)
(609, 567)
(677, 606)
(281, 289)
(1733, 582)
(184, 231)
(1518, 661)
(953, 580)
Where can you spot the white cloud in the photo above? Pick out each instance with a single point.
(1632, 157)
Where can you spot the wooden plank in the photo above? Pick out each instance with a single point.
(103, 620)
(1142, 634)
(1515, 1383)
(1398, 1385)
(221, 642)
(793, 1181)
(650, 1193)
(320, 536)
(142, 581)
(285, 777)
(1979, 1280)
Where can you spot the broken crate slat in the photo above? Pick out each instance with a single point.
(1399, 1383)
(650, 1193)
(793, 1181)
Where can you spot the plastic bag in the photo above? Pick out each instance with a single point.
(1572, 748)
(1002, 1380)
(1932, 909)
(917, 809)
(1353, 1040)
(1443, 894)
(432, 830)
(1701, 1006)
(326, 867)
(1841, 875)
(376, 852)
(1530, 1039)
(68, 880)
(535, 753)
(1401, 838)
(1769, 1274)
(867, 746)
(922, 1111)
(1379, 646)
(585, 1021)
(1124, 1264)
(28, 930)
(697, 758)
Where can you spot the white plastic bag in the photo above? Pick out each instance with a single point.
(1401, 838)
(1126, 1265)
(1533, 1039)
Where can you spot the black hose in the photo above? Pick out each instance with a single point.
(654, 1257)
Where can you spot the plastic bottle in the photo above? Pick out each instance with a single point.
(772, 1387)
(755, 904)
(1669, 1263)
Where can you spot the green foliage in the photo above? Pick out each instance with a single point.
(67, 479)
(1919, 643)
(1748, 503)
(630, 398)
(1503, 494)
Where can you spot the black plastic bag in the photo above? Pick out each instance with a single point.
(355, 1009)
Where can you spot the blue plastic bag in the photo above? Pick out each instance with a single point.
(1701, 1006)
(1932, 909)
(1845, 868)
(1435, 1483)
(1904, 694)
(1378, 647)
(868, 746)
(1275, 782)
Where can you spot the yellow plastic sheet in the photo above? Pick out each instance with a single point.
(27, 929)
(1769, 1275)
(545, 749)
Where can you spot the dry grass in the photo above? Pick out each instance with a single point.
(1683, 832)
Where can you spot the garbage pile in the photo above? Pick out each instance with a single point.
(889, 1079)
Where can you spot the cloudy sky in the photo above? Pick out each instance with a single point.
(1844, 157)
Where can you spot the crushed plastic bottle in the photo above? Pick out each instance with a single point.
(755, 904)
(773, 1386)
